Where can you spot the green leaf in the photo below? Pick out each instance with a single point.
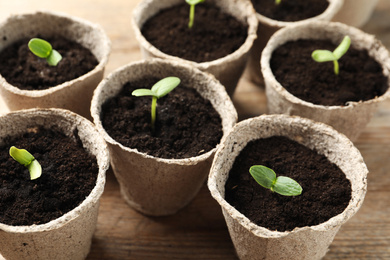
(143, 92)
(39, 47)
(35, 170)
(342, 48)
(323, 56)
(277, 2)
(287, 186)
(43, 49)
(22, 156)
(194, 2)
(26, 159)
(54, 58)
(264, 176)
(164, 86)
(160, 89)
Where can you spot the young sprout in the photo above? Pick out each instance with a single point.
(277, 2)
(266, 177)
(43, 49)
(160, 89)
(25, 158)
(325, 55)
(192, 4)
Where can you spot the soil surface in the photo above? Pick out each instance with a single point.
(214, 34)
(290, 10)
(326, 190)
(22, 69)
(69, 174)
(360, 76)
(187, 125)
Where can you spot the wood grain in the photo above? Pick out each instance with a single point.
(199, 230)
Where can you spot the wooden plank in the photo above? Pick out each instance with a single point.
(196, 232)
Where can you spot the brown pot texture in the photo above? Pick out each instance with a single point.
(228, 69)
(151, 185)
(304, 243)
(349, 119)
(74, 95)
(267, 27)
(69, 236)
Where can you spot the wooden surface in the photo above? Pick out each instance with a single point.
(199, 230)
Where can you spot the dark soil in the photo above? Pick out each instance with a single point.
(360, 77)
(21, 68)
(69, 174)
(326, 191)
(290, 10)
(187, 125)
(214, 34)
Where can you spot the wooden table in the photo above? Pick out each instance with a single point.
(199, 230)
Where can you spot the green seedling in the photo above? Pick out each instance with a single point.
(160, 89)
(43, 49)
(325, 55)
(26, 159)
(192, 4)
(266, 177)
(277, 2)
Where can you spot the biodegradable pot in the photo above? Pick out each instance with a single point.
(267, 27)
(227, 69)
(355, 12)
(69, 236)
(151, 185)
(74, 95)
(350, 119)
(312, 242)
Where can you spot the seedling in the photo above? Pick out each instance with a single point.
(160, 89)
(325, 55)
(277, 2)
(192, 4)
(266, 177)
(43, 49)
(25, 158)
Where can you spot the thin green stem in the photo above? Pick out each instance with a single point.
(192, 15)
(336, 67)
(153, 112)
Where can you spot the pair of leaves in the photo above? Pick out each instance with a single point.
(160, 89)
(26, 159)
(266, 177)
(43, 49)
(325, 55)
